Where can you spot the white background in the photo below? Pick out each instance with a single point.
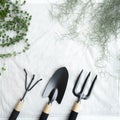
(47, 53)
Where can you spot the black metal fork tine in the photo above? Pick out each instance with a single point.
(25, 79)
(91, 87)
(34, 85)
(74, 88)
(83, 86)
(30, 82)
(29, 87)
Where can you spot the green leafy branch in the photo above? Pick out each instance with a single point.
(14, 24)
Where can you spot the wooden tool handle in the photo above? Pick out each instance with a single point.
(46, 112)
(16, 111)
(74, 112)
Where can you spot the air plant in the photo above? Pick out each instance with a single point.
(71, 14)
(106, 25)
(14, 23)
(99, 21)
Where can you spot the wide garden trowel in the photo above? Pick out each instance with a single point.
(55, 90)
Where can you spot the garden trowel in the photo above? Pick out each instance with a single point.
(55, 90)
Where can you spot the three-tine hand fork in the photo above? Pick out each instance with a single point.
(19, 106)
(80, 95)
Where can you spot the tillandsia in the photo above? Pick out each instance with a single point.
(89, 22)
(14, 24)
(106, 22)
(71, 14)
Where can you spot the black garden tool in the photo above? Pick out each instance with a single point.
(55, 90)
(19, 106)
(80, 95)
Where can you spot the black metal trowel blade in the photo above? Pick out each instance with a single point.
(59, 82)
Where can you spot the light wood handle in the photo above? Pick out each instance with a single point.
(16, 111)
(47, 108)
(19, 106)
(46, 111)
(74, 112)
(76, 107)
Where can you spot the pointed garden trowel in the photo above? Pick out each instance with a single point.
(55, 90)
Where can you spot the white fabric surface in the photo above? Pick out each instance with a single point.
(47, 53)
